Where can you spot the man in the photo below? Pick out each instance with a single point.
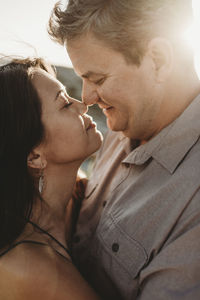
(138, 234)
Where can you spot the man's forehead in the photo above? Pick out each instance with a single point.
(91, 57)
(87, 47)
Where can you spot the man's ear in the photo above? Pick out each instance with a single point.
(36, 160)
(161, 52)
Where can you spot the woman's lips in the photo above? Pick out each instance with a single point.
(91, 125)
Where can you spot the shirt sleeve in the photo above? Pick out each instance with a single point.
(174, 273)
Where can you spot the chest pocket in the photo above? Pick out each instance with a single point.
(121, 256)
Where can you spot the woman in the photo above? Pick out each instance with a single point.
(45, 136)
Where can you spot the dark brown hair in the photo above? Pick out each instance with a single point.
(21, 130)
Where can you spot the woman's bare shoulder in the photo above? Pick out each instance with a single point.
(25, 267)
(32, 271)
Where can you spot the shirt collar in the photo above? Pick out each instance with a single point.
(173, 142)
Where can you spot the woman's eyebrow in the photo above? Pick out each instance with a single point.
(63, 90)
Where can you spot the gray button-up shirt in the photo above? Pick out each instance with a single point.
(139, 226)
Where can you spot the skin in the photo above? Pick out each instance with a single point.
(67, 138)
(38, 272)
(139, 101)
(32, 272)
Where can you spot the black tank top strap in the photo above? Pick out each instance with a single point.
(31, 242)
(51, 236)
(22, 242)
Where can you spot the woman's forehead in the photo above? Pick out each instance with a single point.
(43, 80)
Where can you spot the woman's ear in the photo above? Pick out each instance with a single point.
(161, 52)
(36, 160)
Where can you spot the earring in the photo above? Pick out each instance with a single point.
(41, 182)
(41, 179)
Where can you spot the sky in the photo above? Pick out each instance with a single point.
(23, 26)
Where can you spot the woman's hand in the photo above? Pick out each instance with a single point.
(74, 206)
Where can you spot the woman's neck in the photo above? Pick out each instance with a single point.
(50, 213)
(58, 186)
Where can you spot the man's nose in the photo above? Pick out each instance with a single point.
(80, 107)
(89, 94)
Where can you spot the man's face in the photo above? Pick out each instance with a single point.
(128, 95)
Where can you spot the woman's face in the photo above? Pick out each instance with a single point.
(70, 134)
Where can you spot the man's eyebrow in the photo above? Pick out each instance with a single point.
(90, 74)
(59, 92)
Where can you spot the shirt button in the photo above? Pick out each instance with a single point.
(104, 203)
(76, 239)
(115, 247)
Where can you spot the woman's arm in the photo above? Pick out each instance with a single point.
(74, 206)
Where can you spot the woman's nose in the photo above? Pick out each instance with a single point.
(80, 107)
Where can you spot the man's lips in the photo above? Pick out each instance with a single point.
(105, 107)
(107, 110)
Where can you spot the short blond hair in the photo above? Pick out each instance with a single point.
(123, 25)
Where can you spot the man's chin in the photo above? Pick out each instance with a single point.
(114, 126)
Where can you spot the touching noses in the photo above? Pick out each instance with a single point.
(81, 107)
(89, 93)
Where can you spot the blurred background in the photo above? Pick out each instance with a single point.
(23, 31)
